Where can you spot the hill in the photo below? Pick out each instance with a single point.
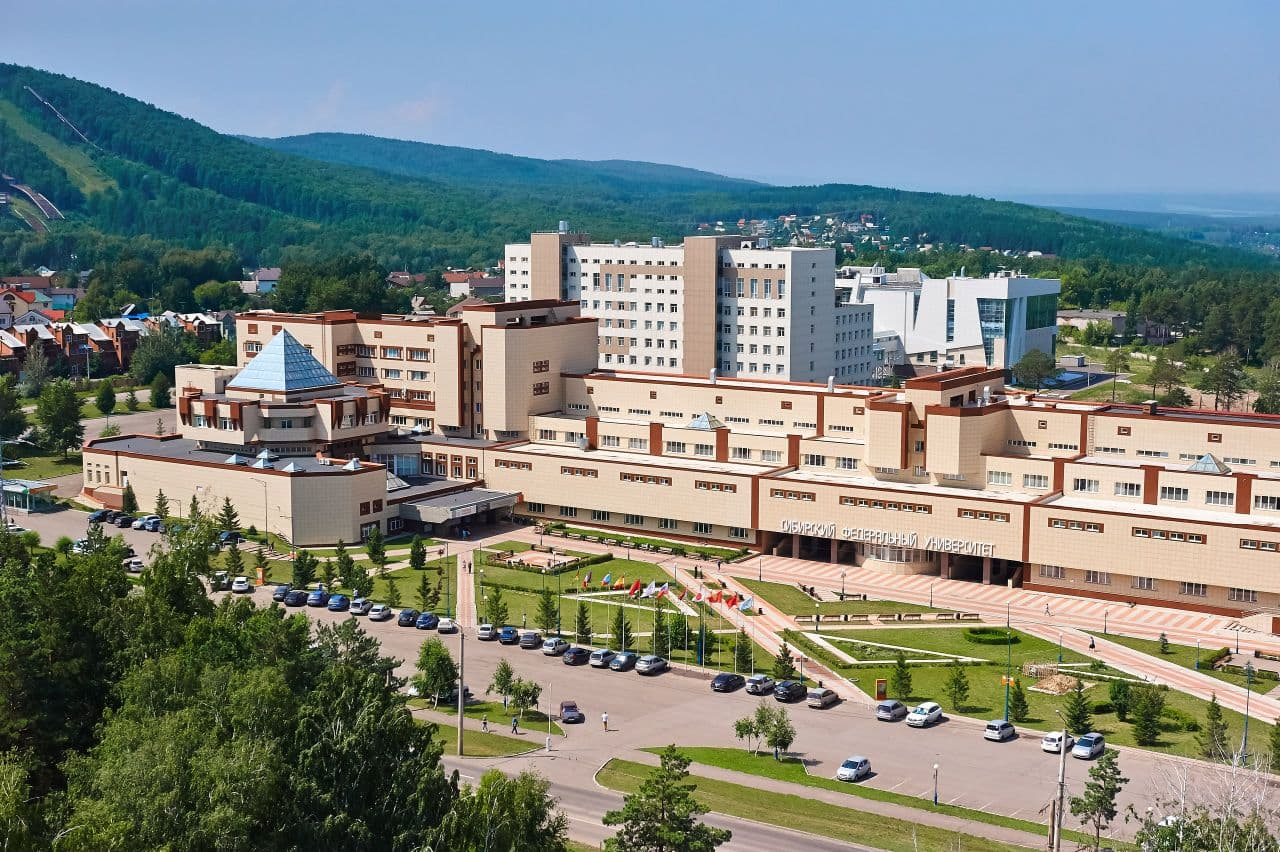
(121, 167)
(476, 167)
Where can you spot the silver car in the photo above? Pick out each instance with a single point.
(821, 697)
(554, 646)
(891, 710)
(650, 664)
(854, 769)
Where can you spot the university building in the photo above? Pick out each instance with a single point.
(415, 424)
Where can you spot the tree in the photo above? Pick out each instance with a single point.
(160, 391)
(393, 593)
(1096, 806)
(106, 398)
(36, 372)
(159, 353)
(900, 678)
(1034, 369)
(1146, 707)
(1018, 707)
(1267, 384)
(780, 733)
(58, 413)
(1165, 372)
(373, 545)
(546, 614)
(355, 575)
(582, 624)
(784, 665)
(1121, 698)
(662, 815)
(234, 563)
(428, 597)
(228, 519)
(13, 420)
(504, 813)
(495, 608)
(131, 401)
(193, 510)
(162, 504)
(327, 573)
(260, 566)
(504, 677)
(1164, 644)
(1076, 711)
(743, 652)
(437, 671)
(1225, 379)
(620, 629)
(1213, 739)
(417, 554)
(1273, 762)
(159, 427)
(129, 500)
(957, 686)
(746, 729)
(304, 569)
(1117, 363)
(525, 695)
(660, 640)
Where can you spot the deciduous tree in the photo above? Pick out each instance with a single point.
(13, 420)
(503, 679)
(495, 608)
(525, 695)
(437, 671)
(161, 389)
(1034, 369)
(504, 813)
(106, 398)
(58, 413)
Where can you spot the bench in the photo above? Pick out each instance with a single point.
(968, 616)
(945, 616)
(861, 618)
(908, 616)
(805, 618)
(664, 550)
(590, 538)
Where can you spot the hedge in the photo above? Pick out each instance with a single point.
(990, 636)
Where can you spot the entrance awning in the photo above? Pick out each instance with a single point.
(442, 508)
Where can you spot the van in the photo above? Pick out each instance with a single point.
(999, 730)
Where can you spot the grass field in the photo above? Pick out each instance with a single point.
(789, 599)
(792, 769)
(499, 719)
(1185, 656)
(80, 168)
(804, 814)
(622, 540)
(89, 410)
(480, 744)
(533, 580)
(38, 464)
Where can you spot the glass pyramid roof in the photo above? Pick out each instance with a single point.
(1208, 463)
(284, 364)
(705, 420)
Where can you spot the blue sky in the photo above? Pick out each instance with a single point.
(996, 98)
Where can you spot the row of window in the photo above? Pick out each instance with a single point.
(1258, 544)
(1038, 481)
(512, 464)
(784, 494)
(580, 471)
(1168, 535)
(727, 487)
(644, 479)
(867, 503)
(974, 514)
(1068, 524)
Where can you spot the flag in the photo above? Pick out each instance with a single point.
(662, 591)
(715, 597)
(700, 596)
(604, 584)
(634, 590)
(683, 591)
(732, 600)
(748, 603)
(621, 584)
(586, 581)
(649, 590)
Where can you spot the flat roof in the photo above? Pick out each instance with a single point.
(906, 487)
(186, 449)
(1173, 513)
(1174, 466)
(569, 451)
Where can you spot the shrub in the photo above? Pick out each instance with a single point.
(990, 636)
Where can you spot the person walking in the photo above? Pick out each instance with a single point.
(515, 725)
(484, 724)
(604, 719)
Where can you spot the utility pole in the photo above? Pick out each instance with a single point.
(1062, 787)
(462, 685)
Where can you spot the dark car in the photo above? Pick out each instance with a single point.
(509, 636)
(727, 682)
(318, 597)
(570, 714)
(229, 537)
(98, 516)
(125, 522)
(154, 525)
(339, 603)
(407, 618)
(576, 656)
(427, 621)
(625, 661)
(789, 690)
(361, 606)
(296, 597)
(531, 639)
(282, 591)
(112, 516)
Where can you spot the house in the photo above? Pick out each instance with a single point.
(266, 278)
(64, 298)
(405, 278)
(470, 302)
(124, 334)
(480, 285)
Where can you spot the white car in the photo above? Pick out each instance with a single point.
(447, 625)
(650, 664)
(485, 632)
(139, 523)
(1053, 741)
(854, 769)
(133, 565)
(926, 714)
(241, 585)
(554, 646)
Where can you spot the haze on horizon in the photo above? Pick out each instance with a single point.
(1010, 100)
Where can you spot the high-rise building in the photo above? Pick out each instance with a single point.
(733, 304)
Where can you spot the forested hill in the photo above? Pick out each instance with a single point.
(476, 167)
(145, 171)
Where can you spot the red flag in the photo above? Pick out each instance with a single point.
(634, 590)
(715, 596)
(621, 584)
(683, 592)
(732, 600)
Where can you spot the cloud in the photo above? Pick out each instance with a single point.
(326, 109)
(418, 111)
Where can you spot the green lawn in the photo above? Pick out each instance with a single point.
(515, 577)
(37, 464)
(406, 579)
(480, 744)
(575, 846)
(788, 598)
(792, 769)
(89, 410)
(622, 539)
(804, 814)
(513, 546)
(499, 719)
(1185, 656)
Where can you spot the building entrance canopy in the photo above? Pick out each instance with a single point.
(442, 508)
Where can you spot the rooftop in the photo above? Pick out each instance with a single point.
(571, 451)
(284, 365)
(187, 450)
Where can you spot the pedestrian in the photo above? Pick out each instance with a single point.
(484, 724)
(1046, 609)
(775, 753)
(504, 703)
(604, 718)
(1091, 645)
(515, 725)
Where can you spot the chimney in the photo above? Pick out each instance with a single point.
(831, 384)
(711, 375)
(1152, 407)
(564, 226)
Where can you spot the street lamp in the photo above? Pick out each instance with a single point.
(935, 785)
(1062, 785)
(1008, 614)
(842, 586)
(1059, 646)
(760, 570)
(1008, 669)
(931, 595)
(1237, 630)
(1104, 620)
(1248, 692)
(1197, 655)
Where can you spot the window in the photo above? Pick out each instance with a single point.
(740, 453)
(1019, 443)
(1145, 584)
(701, 528)
(541, 366)
(668, 524)
(541, 388)
(1053, 572)
(568, 511)
(739, 532)
(675, 447)
(1115, 451)
(813, 460)
(1097, 578)
(546, 434)
(225, 423)
(1242, 595)
(537, 508)
(1270, 504)
(999, 477)
(1198, 590)
(1154, 454)
(1128, 489)
(1059, 446)
(1088, 486)
(1178, 495)
(1035, 480)
(703, 485)
(598, 515)
(610, 441)
(633, 520)
(704, 450)
(591, 473)
(768, 455)
(1219, 498)
(1239, 460)
(846, 463)
(637, 444)
(784, 494)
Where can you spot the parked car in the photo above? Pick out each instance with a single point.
(154, 525)
(98, 516)
(281, 592)
(127, 548)
(508, 635)
(530, 639)
(361, 606)
(854, 769)
(651, 664)
(554, 647)
(727, 682)
(113, 515)
(141, 523)
(240, 585)
(339, 603)
(15, 528)
(788, 691)
(486, 633)
(229, 538)
(1089, 746)
(576, 656)
(124, 522)
(1054, 741)
(570, 714)
(318, 597)
(928, 713)
(132, 564)
(447, 625)
(821, 697)
(296, 597)
(381, 612)
(760, 684)
(601, 658)
(891, 710)
(624, 661)
(999, 730)
(220, 582)
(408, 618)
(81, 546)
(427, 621)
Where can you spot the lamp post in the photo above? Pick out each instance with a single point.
(1008, 614)
(1248, 692)
(760, 571)
(559, 604)
(817, 617)
(931, 595)
(1197, 655)
(842, 586)
(802, 668)
(1104, 620)
(1008, 669)
(1062, 785)
(1059, 646)
(1237, 629)
(935, 785)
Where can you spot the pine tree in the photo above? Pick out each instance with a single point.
(545, 616)
(343, 565)
(743, 653)
(327, 573)
(582, 624)
(162, 504)
(663, 813)
(160, 392)
(1096, 806)
(426, 593)
(234, 562)
(393, 593)
(659, 643)
(1121, 697)
(1213, 740)
(620, 629)
(1018, 709)
(193, 510)
(1164, 644)
(106, 398)
(129, 502)
(957, 686)
(1148, 704)
(260, 564)
(417, 554)
(900, 678)
(784, 665)
(495, 609)
(1076, 711)
(228, 518)
(373, 545)
(304, 570)
(356, 577)
(131, 401)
